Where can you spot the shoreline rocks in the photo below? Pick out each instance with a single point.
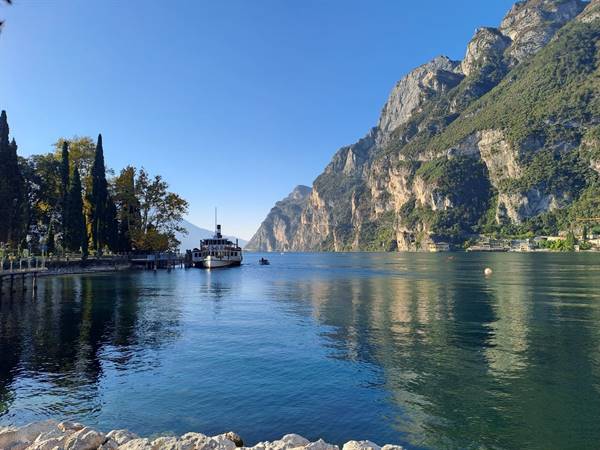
(53, 435)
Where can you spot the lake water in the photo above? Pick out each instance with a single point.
(416, 349)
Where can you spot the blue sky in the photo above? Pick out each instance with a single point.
(234, 102)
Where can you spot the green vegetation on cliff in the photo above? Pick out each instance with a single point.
(463, 183)
(545, 108)
(550, 97)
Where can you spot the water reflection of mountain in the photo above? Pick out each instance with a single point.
(451, 358)
(471, 361)
(73, 327)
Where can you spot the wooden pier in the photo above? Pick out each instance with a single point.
(17, 277)
(156, 261)
(15, 273)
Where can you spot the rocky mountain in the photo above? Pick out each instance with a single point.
(278, 230)
(504, 142)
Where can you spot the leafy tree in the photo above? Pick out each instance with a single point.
(43, 187)
(128, 206)
(161, 213)
(153, 240)
(82, 152)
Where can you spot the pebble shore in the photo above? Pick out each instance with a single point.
(52, 435)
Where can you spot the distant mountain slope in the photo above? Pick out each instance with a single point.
(505, 142)
(278, 229)
(196, 234)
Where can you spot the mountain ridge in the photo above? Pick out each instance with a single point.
(281, 217)
(451, 158)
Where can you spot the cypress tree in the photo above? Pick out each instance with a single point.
(12, 189)
(99, 199)
(5, 188)
(50, 247)
(77, 237)
(19, 223)
(64, 176)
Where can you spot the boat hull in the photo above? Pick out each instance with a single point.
(216, 263)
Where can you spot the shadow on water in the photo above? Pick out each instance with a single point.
(422, 350)
(53, 347)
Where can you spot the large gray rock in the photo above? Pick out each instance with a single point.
(70, 426)
(137, 444)
(109, 444)
(227, 439)
(287, 442)
(235, 438)
(55, 438)
(84, 439)
(321, 445)
(169, 443)
(12, 438)
(198, 441)
(122, 436)
(361, 445)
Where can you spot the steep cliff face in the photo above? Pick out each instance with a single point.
(278, 229)
(487, 47)
(591, 12)
(493, 143)
(531, 24)
(411, 92)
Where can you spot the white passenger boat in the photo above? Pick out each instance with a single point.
(217, 252)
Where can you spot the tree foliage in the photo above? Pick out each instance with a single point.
(161, 212)
(82, 152)
(75, 228)
(13, 207)
(129, 208)
(102, 219)
(67, 200)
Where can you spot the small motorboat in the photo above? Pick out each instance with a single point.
(264, 262)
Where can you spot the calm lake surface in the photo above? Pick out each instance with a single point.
(416, 349)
